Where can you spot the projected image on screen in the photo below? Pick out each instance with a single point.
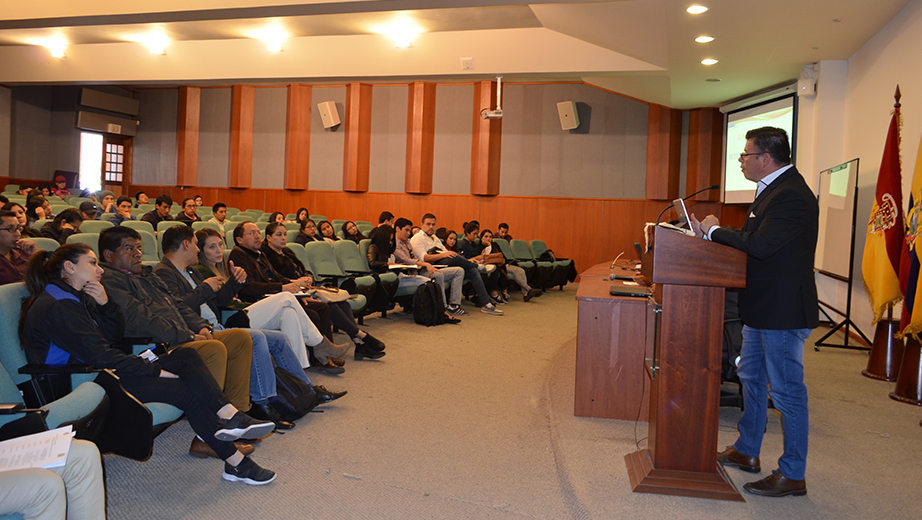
(778, 113)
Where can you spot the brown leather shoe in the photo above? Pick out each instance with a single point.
(200, 450)
(777, 485)
(731, 457)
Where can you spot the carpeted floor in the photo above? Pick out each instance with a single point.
(475, 421)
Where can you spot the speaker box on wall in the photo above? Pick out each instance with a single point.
(328, 114)
(569, 117)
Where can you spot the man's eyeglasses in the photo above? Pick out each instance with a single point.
(12, 229)
(253, 233)
(744, 155)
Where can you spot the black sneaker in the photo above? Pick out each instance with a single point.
(248, 472)
(455, 310)
(242, 426)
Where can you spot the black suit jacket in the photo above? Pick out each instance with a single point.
(780, 238)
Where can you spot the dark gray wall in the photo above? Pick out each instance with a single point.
(214, 137)
(43, 137)
(540, 159)
(271, 111)
(6, 107)
(327, 144)
(155, 145)
(388, 154)
(451, 168)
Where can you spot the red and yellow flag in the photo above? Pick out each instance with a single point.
(880, 266)
(911, 319)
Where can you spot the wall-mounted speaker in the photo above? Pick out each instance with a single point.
(569, 117)
(328, 114)
(806, 87)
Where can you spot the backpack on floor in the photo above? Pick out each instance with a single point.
(429, 304)
(295, 398)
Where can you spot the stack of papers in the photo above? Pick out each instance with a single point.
(39, 450)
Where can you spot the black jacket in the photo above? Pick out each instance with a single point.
(262, 279)
(178, 286)
(64, 326)
(60, 235)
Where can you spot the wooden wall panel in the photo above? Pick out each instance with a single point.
(241, 148)
(357, 127)
(288, 201)
(298, 137)
(243, 199)
(573, 227)
(664, 150)
(187, 130)
(400, 204)
(622, 225)
(705, 147)
(340, 204)
(487, 142)
(420, 137)
(521, 213)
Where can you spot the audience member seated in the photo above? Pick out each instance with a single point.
(266, 279)
(308, 233)
(122, 211)
(301, 215)
(453, 276)
(429, 248)
(69, 318)
(219, 216)
(518, 274)
(45, 189)
(160, 213)
(64, 225)
(351, 232)
(280, 311)
(187, 215)
(60, 187)
(502, 231)
(414, 231)
(88, 210)
(37, 208)
(106, 202)
(277, 216)
(20, 213)
(24, 190)
(3, 199)
(470, 249)
(141, 198)
(180, 255)
(75, 491)
(14, 253)
(327, 232)
(198, 201)
(451, 240)
(151, 311)
(386, 217)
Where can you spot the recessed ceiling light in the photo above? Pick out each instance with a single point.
(704, 39)
(697, 9)
(156, 42)
(402, 32)
(708, 61)
(56, 46)
(713, 80)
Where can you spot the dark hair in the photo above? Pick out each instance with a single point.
(202, 235)
(445, 241)
(358, 234)
(174, 236)
(440, 233)
(9, 206)
(238, 230)
(382, 237)
(272, 227)
(138, 194)
(198, 197)
(70, 215)
(305, 222)
(216, 207)
(187, 199)
(122, 199)
(164, 199)
(6, 213)
(45, 266)
(320, 226)
(484, 232)
(34, 202)
(427, 215)
(111, 238)
(307, 215)
(471, 227)
(503, 225)
(402, 223)
(385, 215)
(45, 186)
(773, 141)
(3, 199)
(274, 214)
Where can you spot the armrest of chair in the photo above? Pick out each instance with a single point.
(39, 369)
(11, 408)
(359, 273)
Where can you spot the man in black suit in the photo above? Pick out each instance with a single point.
(778, 307)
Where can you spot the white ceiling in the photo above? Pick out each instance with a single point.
(640, 48)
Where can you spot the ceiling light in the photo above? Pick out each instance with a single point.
(273, 36)
(704, 39)
(708, 61)
(156, 42)
(56, 47)
(275, 44)
(697, 9)
(401, 32)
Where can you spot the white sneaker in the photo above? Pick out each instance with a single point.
(491, 309)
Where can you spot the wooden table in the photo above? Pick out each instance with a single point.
(610, 379)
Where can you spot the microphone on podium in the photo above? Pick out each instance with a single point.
(714, 187)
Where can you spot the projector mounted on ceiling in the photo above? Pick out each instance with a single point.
(498, 112)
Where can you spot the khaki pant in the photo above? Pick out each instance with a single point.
(228, 357)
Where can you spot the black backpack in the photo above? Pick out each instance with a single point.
(295, 397)
(429, 304)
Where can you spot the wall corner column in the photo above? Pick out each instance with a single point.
(705, 152)
(420, 137)
(298, 137)
(243, 105)
(487, 142)
(187, 131)
(357, 127)
(664, 151)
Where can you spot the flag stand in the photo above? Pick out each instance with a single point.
(846, 323)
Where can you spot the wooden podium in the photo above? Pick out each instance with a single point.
(691, 275)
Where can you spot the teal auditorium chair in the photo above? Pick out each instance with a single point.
(527, 265)
(325, 268)
(292, 226)
(364, 227)
(543, 270)
(139, 225)
(150, 249)
(564, 269)
(130, 426)
(357, 304)
(91, 239)
(352, 262)
(201, 225)
(95, 226)
(402, 295)
(318, 218)
(292, 233)
(48, 244)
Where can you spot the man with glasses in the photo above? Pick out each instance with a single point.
(14, 253)
(187, 215)
(778, 308)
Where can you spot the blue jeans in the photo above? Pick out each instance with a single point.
(471, 274)
(775, 359)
